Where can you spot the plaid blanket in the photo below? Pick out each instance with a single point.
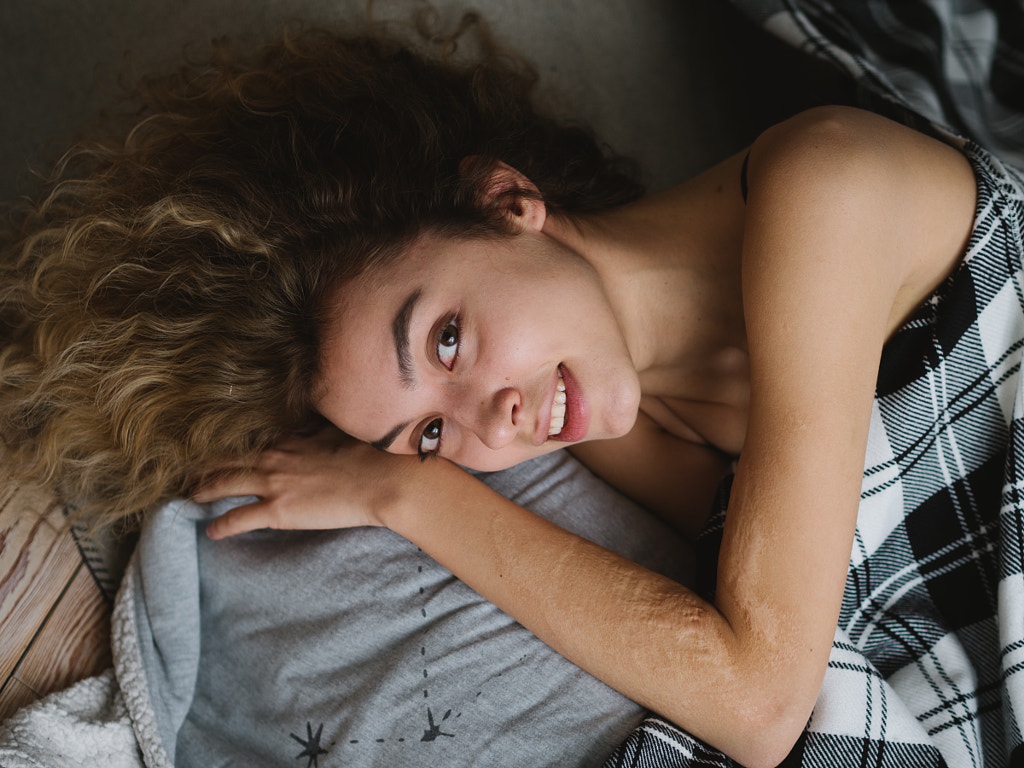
(925, 668)
(958, 63)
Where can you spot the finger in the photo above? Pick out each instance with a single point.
(238, 484)
(212, 471)
(241, 519)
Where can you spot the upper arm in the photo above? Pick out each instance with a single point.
(834, 204)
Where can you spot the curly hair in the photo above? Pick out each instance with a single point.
(161, 303)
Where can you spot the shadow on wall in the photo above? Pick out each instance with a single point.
(677, 85)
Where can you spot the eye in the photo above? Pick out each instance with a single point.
(430, 440)
(448, 343)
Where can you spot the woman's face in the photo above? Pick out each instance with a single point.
(465, 347)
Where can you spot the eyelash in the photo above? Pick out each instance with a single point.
(438, 423)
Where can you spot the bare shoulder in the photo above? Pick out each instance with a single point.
(890, 199)
(851, 221)
(851, 134)
(851, 144)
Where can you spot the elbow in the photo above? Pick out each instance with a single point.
(766, 724)
(760, 726)
(756, 696)
(764, 744)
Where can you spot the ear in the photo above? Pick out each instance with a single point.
(502, 187)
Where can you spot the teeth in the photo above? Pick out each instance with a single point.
(558, 409)
(557, 419)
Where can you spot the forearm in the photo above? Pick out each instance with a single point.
(730, 673)
(648, 637)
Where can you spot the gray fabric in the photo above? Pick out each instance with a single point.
(356, 643)
(166, 615)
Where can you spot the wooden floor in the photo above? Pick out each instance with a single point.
(54, 621)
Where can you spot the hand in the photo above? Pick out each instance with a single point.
(328, 480)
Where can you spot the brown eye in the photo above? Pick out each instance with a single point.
(448, 344)
(430, 440)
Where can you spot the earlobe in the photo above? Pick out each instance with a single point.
(502, 187)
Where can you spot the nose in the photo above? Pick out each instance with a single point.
(497, 417)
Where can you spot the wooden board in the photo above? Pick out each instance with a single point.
(13, 696)
(38, 559)
(54, 623)
(74, 643)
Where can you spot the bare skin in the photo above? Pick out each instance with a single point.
(750, 329)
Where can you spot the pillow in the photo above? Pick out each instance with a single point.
(354, 648)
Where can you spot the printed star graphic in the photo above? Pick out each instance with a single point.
(434, 731)
(312, 745)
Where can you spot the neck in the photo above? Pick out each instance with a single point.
(673, 287)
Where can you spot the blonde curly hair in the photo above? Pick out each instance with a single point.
(160, 305)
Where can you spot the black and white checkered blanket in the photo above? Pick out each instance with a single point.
(926, 667)
(958, 63)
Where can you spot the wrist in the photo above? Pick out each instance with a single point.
(421, 490)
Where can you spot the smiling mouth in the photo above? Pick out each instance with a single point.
(558, 410)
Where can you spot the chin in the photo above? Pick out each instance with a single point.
(499, 463)
(623, 411)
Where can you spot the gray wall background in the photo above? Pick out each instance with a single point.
(678, 84)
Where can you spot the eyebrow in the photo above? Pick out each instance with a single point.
(400, 333)
(385, 442)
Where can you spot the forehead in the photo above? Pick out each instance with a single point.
(358, 371)
(378, 287)
(359, 316)
(426, 263)
(352, 359)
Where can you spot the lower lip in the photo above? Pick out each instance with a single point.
(577, 414)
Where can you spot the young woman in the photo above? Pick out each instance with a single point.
(340, 230)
